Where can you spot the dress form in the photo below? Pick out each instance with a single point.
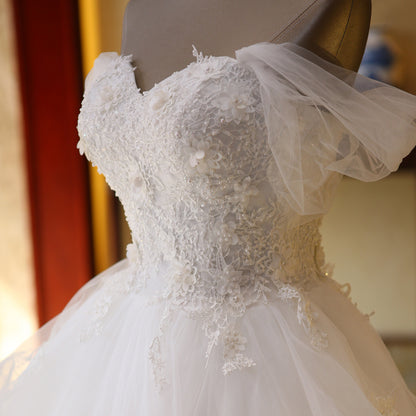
(334, 29)
(224, 305)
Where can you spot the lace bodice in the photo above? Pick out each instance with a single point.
(191, 163)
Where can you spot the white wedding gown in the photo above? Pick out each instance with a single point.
(224, 305)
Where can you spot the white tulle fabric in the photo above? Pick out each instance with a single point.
(322, 118)
(225, 305)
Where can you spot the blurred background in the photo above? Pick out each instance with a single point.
(60, 224)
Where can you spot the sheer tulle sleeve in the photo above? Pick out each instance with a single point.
(324, 121)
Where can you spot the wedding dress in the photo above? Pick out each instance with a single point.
(224, 305)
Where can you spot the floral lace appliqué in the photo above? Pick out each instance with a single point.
(190, 163)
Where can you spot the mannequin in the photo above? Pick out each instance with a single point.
(333, 29)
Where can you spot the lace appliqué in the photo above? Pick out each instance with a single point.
(234, 345)
(198, 55)
(158, 366)
(190, 163)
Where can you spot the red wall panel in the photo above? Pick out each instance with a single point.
(51, 85)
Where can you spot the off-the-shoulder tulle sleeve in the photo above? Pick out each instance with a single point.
(322, 119)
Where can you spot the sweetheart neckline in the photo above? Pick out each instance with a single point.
(144, 94)
(311, 57)
(200, 57)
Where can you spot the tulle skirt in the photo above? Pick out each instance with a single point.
(62, 372)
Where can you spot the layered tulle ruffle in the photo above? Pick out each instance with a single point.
(68, 370)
